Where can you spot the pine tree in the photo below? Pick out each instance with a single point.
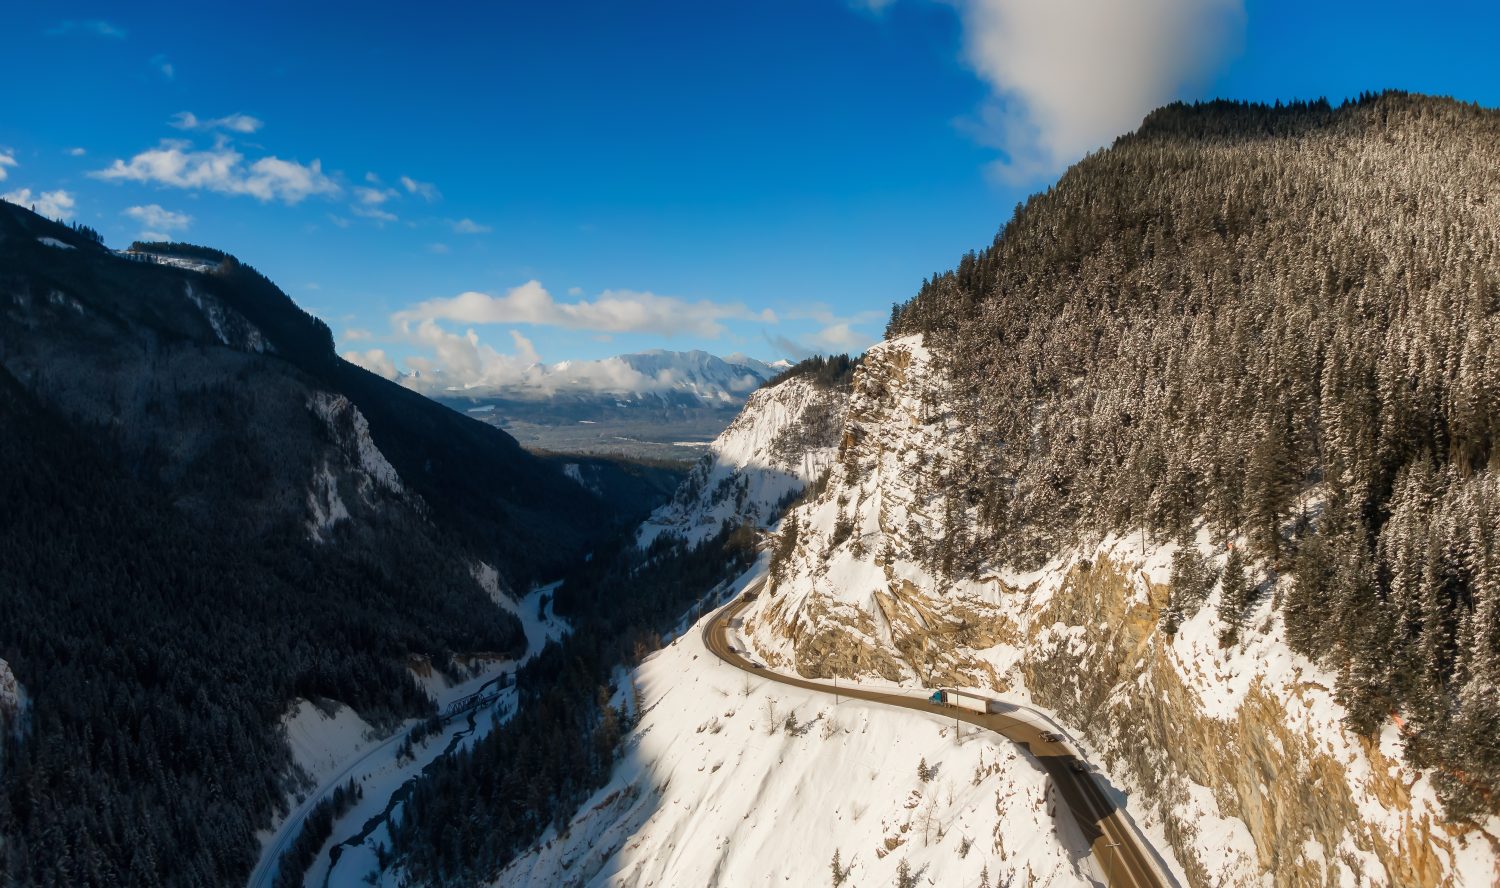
(1236, 592)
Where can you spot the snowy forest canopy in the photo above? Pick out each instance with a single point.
(1282, 320)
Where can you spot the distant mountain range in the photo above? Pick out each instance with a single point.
(656, 404)
(652, 379)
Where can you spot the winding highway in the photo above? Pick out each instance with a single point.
(1120, 853)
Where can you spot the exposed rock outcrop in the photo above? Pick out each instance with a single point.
(1235, 756)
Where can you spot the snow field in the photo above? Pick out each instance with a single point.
(731, 778)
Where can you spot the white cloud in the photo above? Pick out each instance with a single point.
(438, 248)
(614, 311)
(235, 123)
(176, 164)
(842, 338)
(525, 350)
(1070, 75)
(373, 196)
(163, 66)
(372, 212)
(425, 190)
(575, 291)
(96, 27)
(837, 333)
(789, 348)
(469, 226)
(461, 362)
(158, 219)
(76, 152)
(7, 159)
(356, 334)
(52, 204)
(375, 360)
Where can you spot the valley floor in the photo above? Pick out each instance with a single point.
(338, 747)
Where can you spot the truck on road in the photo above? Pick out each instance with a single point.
(965, 700)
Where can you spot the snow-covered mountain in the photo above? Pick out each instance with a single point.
(660, 405)
(683, 378)
(1235, 758)
(786, 437)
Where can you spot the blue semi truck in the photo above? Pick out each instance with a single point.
(965, 700)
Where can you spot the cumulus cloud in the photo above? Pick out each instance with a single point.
(177, 164)
(374, 360)
(372, 212)
(373, 196)
(525, 350)
(156, 219)
(234, 123)
(7, 159)
(469, 226)
(52, 204)
(461, 363)
(94, 27)
(841, 337)
(425, 190)
(614, 311)
(837, 332)
(789, 348)
(1070, 75)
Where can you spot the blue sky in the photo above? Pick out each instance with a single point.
(762, 176)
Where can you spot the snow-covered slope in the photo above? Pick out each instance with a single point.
(730, 779)
(12, 707)
(1235, 757)
(786, 436)
(709, 377)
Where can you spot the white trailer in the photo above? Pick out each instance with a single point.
(966, 700)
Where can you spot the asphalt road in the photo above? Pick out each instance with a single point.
(1119, 852)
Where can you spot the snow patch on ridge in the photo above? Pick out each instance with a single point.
(362, 465)
(14, 705)
(230, 328)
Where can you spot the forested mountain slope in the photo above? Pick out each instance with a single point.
(1232, 307)
(208, 515)
(1201, 454)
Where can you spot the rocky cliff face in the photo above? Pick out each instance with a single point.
(1234, 757)
(785, 439)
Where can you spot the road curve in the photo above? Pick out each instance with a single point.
(1116, 847)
